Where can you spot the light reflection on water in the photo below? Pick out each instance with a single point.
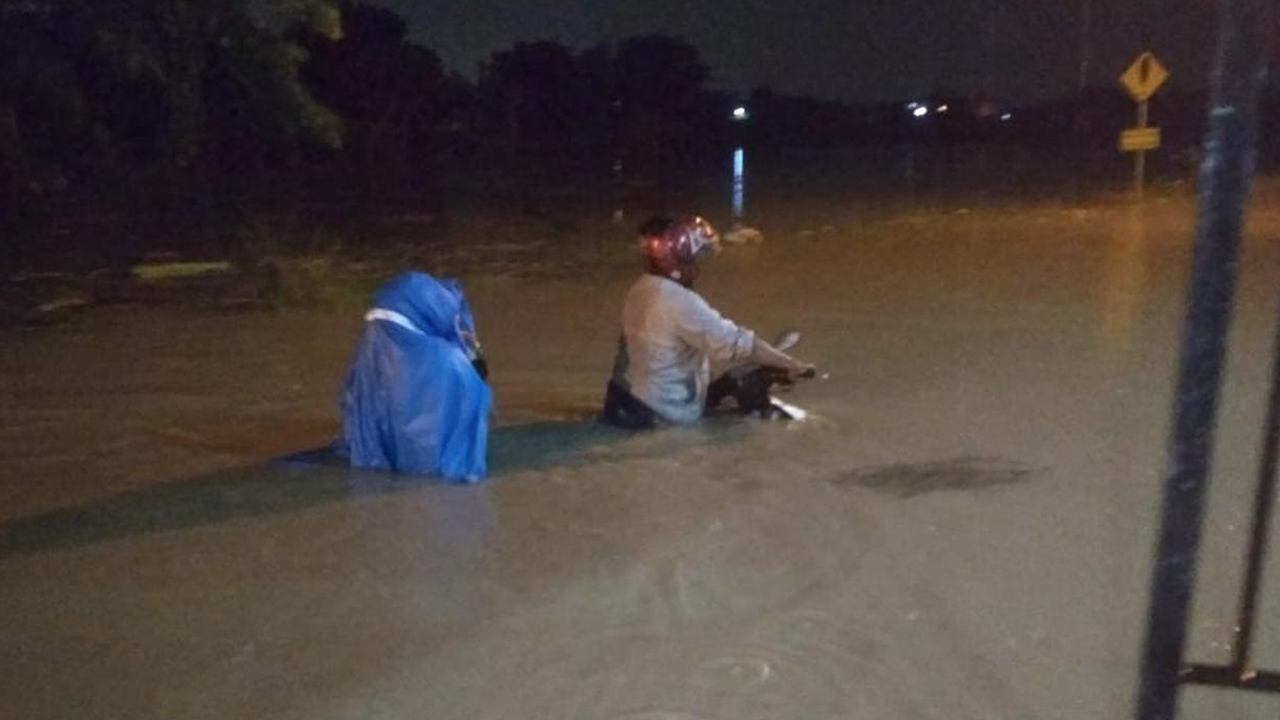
(739, 182)
(1123, 284)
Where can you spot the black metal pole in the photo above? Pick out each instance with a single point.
(1225, 176)
(1263, 502)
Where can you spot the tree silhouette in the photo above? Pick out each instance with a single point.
(658, 81)
(123, 95)
(389, 92)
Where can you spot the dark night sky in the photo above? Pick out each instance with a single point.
(849, 49)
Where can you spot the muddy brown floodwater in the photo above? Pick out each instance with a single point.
(964, 531)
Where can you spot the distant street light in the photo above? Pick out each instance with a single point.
(920, 111)
(740, 113)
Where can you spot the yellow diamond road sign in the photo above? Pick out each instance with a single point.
(1144, 77)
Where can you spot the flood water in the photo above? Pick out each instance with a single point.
(964, 530)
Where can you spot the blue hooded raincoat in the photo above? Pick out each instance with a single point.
(413, 401)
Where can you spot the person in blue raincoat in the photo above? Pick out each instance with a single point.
(416, 399)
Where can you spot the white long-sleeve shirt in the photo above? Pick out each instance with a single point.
(672, 336)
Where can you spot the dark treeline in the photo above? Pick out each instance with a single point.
(155, 114)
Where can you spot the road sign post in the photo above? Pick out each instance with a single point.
(1142, 79)
(1140, 159)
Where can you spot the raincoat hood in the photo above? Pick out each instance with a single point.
(435, 307)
